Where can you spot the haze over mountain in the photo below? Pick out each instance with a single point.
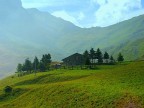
(29, 32)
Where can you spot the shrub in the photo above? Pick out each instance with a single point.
(8, 89)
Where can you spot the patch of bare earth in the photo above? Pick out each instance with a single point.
(129, 101)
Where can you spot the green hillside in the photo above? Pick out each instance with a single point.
(110, 86)
(115, 38)
(132, 49)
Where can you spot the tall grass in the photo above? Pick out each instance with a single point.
(111, 86)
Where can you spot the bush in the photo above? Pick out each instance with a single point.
(8, 89)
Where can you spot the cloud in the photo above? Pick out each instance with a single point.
(64, 15)
(88, 13)
(50, 3)
(115, 11)
(81, 16)
(100, 2)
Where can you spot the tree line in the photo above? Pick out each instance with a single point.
(37, 65)
(44, 63)
(92, 55)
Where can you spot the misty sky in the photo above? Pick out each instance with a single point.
(89, 13)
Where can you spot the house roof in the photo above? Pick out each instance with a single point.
(76, 54)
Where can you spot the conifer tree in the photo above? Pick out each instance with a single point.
(46, 60)
(86, 54)
(92, 54)
(106, 55)
(42, 67)
(111, 58)
(35, 64)
(99, 56)
(86, 57)
(120, 58)
(19, 67)
(28, 65)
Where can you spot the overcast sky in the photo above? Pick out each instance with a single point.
(89, 13)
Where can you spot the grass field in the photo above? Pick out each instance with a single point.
(110, 86)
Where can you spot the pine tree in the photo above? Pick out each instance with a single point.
(95, 55)
(23, 67)
(19, 67)
(86, 54)
(111, 58)
(87, 62)
(35, 64)
(106, 55)
(86, 57)
(99, 56)
(46, 60)
(92, 54)
(120, 58)
(28, 65)
(42, 66)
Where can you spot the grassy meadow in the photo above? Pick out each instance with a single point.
(109, 86)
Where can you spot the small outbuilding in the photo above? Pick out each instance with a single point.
(73, 60)
(56, 65)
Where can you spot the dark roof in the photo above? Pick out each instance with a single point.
(76, 54)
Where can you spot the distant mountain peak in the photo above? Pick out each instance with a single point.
(10, 4)
(8, 8)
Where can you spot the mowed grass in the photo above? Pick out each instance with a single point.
(110, 86)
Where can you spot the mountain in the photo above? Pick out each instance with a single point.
(113, 38)
(29, 32)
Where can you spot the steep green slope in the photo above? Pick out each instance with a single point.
(113, 38)
(116, 86)
(131, 49)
